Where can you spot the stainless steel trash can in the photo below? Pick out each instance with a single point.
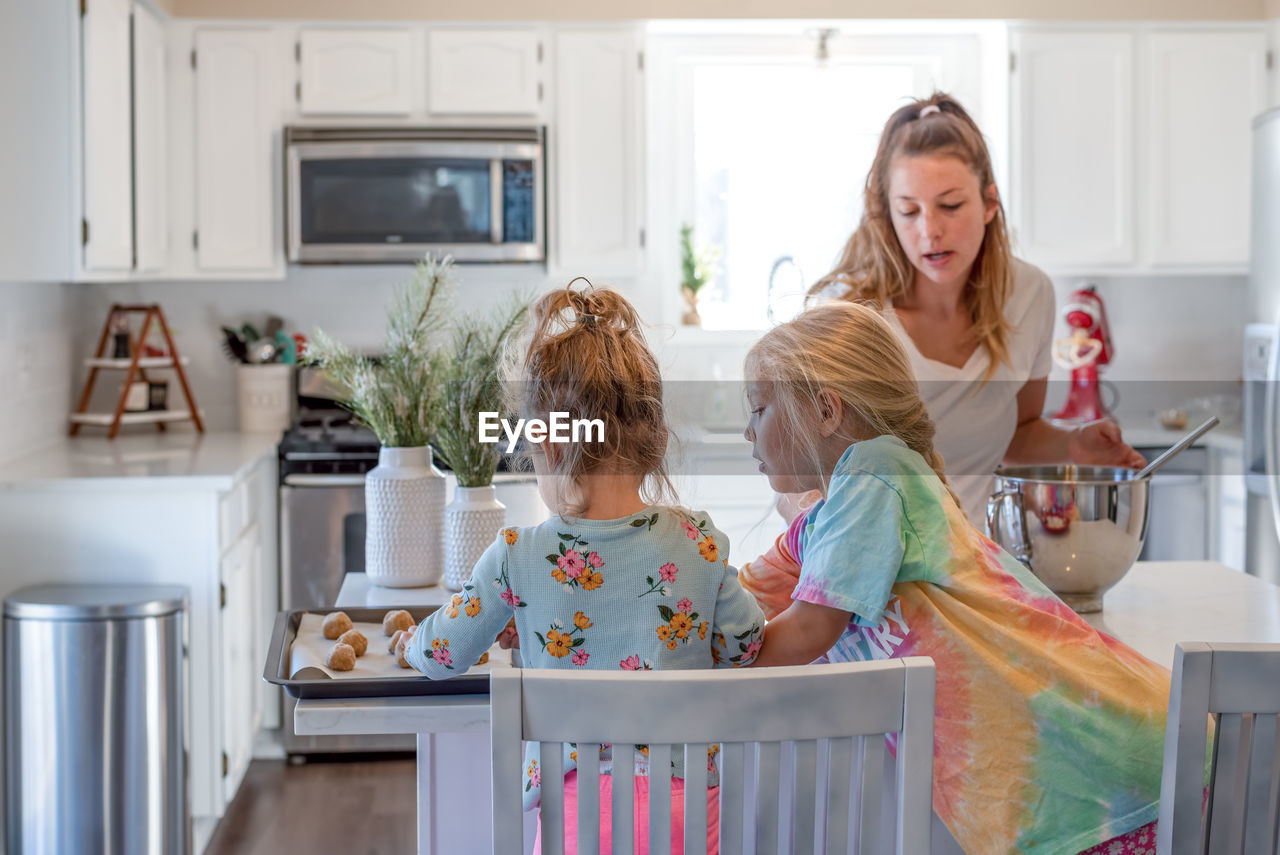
(94, 729)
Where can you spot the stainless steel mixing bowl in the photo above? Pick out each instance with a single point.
(1077, 528)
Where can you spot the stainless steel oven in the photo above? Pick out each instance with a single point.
(393, 194)
(322, 523)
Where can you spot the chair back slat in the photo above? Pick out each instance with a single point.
(807, 781)
(836, 804)
(507, 754)
(733, 785)
(1271, 831)
(624, 776)
(1238, 685)
(552, 798)
(588, 798)
(695, 798)
(794, 777)
(659, 799)
(870, 767)
(915, 758)
(768, 778)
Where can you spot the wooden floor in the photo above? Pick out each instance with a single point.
(353, 807)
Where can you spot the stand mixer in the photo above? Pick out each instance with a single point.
(1088, 347)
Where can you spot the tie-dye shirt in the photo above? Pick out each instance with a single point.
(1048, 733)
(652, 590)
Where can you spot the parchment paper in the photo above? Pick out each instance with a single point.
(311, 649)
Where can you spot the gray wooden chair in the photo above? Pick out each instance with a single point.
(802, 753)
(1238, 685)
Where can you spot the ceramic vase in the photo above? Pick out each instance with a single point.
(690, 318)
(471, 522)
(404, 511)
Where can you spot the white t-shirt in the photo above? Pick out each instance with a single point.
(975, 422)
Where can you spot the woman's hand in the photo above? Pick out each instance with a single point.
(1099, 444)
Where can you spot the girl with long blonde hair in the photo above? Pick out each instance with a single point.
(932, 254)
(1048, 734)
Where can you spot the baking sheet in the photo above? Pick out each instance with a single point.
(296, 657)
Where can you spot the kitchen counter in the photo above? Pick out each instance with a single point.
(182, 459)
(1156, 605)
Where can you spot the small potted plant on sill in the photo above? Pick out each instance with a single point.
(697, 267)
(471, 385)
(397, 396)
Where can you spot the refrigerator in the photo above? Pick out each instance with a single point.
(1261, 358)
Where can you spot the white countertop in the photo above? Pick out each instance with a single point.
(182, 459)
(1156, 605)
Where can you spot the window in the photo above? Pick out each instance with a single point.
(773, 150)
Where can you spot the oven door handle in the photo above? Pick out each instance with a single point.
(306, 479)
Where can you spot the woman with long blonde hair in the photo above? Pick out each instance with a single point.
(932, 254)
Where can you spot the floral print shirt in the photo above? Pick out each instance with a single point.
(652, 590)
(1048, 734)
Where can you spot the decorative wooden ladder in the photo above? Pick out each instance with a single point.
(135, 367)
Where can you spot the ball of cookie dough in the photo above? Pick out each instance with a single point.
(484, 658)
(395, 639)
(342, 657)
(400, 660)
(398, 619)
(335, 623)
(356, 639)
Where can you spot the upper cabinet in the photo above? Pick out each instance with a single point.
(238, 199)
(1131, 147)
(598, 154)
(480, 72)
(124, 216)
(356, 72)
(1204, 90)
(108, 137)
(150, 143)
(1072, 188)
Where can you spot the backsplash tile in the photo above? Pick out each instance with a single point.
(36, 323)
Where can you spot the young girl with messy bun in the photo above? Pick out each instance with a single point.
(1048, 733)
(619, 577)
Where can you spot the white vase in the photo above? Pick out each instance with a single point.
(471, 522)
(404, 511)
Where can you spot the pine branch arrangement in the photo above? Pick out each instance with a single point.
(398, 395)
(469, 376)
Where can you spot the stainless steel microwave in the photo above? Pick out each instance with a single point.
(393, 194)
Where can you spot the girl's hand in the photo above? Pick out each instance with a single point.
(509, 638)
(402, 643)
(1099, 444)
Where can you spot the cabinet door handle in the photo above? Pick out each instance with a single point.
(222, 595)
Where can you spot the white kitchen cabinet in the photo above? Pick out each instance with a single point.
(1131, 146)
(598, 207)
(107, 137)
(1227, 517)
(1204, 89)
(355, 72)
(87, 511)
(241, 569)
(1072, 177)
(124, 75)
(238, 117)
(150, 142)
(484, 72)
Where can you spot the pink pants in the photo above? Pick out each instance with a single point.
(1140, 841)
(640, 817)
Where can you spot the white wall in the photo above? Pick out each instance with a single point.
(36, 345)
(348, 302)
(1175, 337)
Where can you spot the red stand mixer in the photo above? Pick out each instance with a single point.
(1088, 347)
